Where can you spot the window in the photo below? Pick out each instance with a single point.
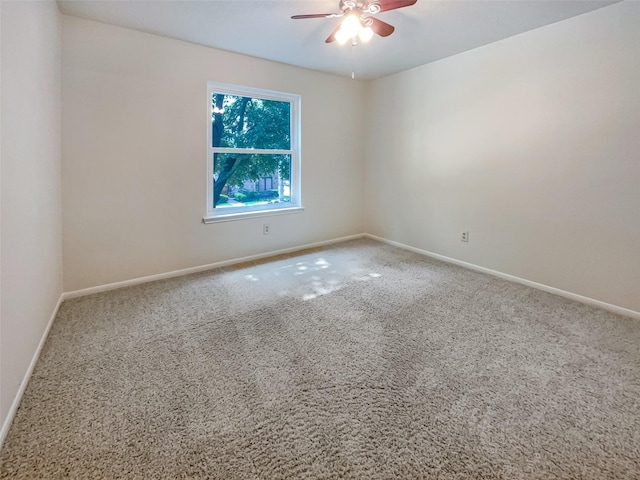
(253, 161)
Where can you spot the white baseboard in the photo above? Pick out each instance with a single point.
(539, 286)
(201, 268)
(27, 376)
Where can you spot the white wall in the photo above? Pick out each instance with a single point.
(31, 260)
(532, 144)
(134, 153)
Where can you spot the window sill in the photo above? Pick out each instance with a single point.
(229, 217)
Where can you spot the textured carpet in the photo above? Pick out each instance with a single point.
(359, 360)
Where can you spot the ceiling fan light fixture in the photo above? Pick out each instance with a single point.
(366, 34)
(342, 36)
(351, 28)
(352, 25)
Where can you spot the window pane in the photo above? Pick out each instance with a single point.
(245, 122)
(250, 180)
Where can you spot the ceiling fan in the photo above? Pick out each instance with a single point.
(358, 22)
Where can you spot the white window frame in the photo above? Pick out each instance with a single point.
(295, 188)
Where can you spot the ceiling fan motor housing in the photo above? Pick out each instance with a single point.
(359, 6)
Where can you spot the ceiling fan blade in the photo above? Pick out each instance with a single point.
(381, 28)
(317, 15)
(386, 5)
(332, 37)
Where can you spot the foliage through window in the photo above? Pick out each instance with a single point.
(253, 161)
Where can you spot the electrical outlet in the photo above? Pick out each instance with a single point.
(465, 236)
(266, 229)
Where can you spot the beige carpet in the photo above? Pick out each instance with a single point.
(356, 361)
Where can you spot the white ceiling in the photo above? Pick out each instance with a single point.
(425, 32)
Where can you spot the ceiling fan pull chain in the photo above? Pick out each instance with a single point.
(353, 61)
